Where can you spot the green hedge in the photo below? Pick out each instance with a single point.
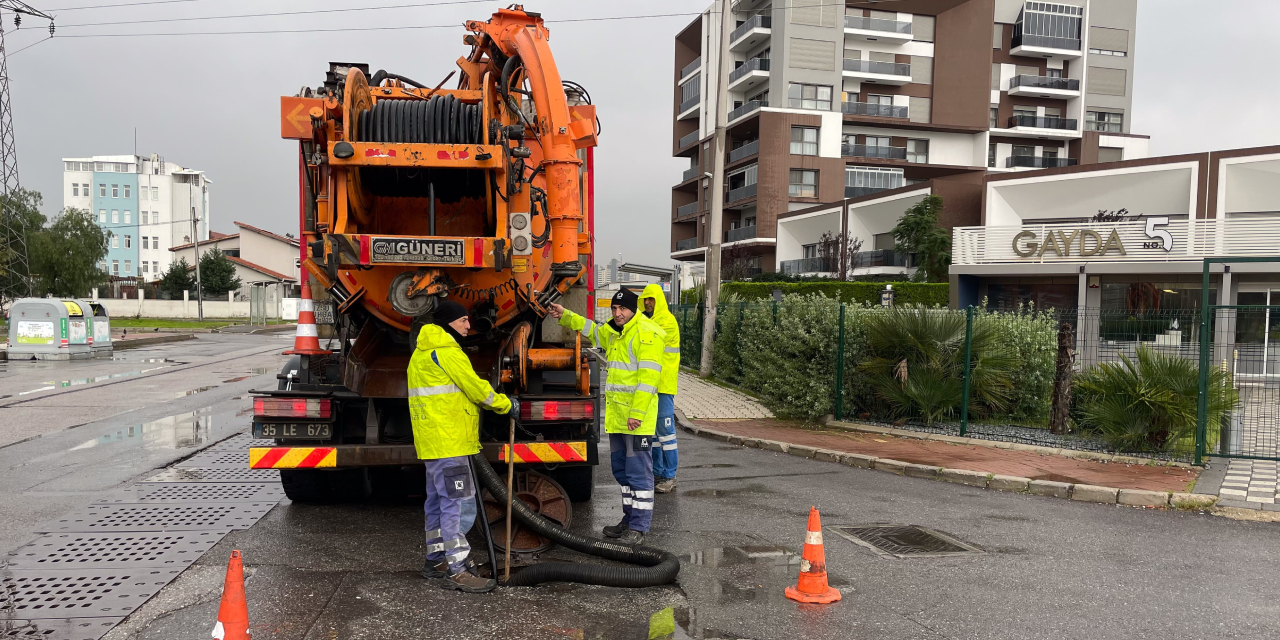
(929, 295)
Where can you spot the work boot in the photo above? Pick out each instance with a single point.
(665, 485)
(468, 582)
(632, 538)
(435, 570)
(616, 530)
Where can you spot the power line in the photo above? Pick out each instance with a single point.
(30, 45)
(277, 13)
(123, 4)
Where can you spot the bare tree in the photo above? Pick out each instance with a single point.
(839, 253)
(735, 262)
(1103, 215)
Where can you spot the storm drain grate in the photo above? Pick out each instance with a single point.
(905, 541)
(240, 442)
(78, 593)
(58, 628)
(174, 474)
(216, 460)
(161, 517)
(108, 551)
(152, 492)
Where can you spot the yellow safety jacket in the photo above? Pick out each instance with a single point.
(671, 349)
(635, 369)
(443, 393)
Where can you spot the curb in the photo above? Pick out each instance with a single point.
(977, 479)
(142, 342)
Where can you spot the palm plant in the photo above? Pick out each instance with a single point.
(1149, 404)
(916, 363)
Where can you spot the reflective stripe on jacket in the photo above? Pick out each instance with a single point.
(671, 349)
(443, 393)
(634, 360)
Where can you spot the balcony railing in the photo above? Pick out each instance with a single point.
(741, 193)
(870, 109)
(686, 210)
(754, 64)
(879, 258)
(810, 265)
(690, 103)
(754, 105)
(1045, 82)
(745, 151)
(688, 140)
(689, 174)
(876, 24)
(757, 22)
(860, 260)
(1048, 42)
(691, 67)
(875, 66)
(865, 151)
(741, 233)
(1051, 122)
(685, 245)
(1038, 162)
(858, 192)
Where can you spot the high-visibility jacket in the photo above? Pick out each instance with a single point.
(443, 393)
(671, 347)
(635, 368)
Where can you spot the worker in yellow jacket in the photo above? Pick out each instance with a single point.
(633, 349)
(444, 393)
(665, 455)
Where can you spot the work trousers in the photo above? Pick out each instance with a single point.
(450, 510)
(633, 469)
(665, 456)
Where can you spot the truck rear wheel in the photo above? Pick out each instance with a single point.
(577, 482)
(325, 486)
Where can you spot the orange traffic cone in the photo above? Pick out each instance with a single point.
(307, 341)
(233, 613)
(812, 586)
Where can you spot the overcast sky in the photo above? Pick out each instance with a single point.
(210, 102)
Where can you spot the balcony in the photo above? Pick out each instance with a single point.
(685, 245)
(750, 74)
(689, 108)
(741, 233)
(858, 192)
(686, 210)
(896, 73)
(746, 109)
(1048, 127)
(1033, 46)
(690, 68)
(810, 265)
(741, 193)
(750, 33)
(877, 29)
(1044, 87)
(689, 174)
(688, 140)
(1037, 162)
(745, 151)
(880, 258)
(877, 110)
(865, 151)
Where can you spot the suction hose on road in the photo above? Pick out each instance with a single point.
(659, 567)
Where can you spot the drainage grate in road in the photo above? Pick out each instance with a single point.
(110, 551)
(58, 628)
(216, 460)
(152, 492)
(245, 474)
(161, 517)
(240, 442)
(905, 541)
(78, 593)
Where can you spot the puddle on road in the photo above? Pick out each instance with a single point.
(714, 465)
(145, 360)
(257, 371)
(50, 385)
(180, 431)
(1055, 477)
(750, 489)
(192, 392)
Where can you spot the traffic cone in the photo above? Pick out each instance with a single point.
(306, 342)
(233, 613)
(812, 586)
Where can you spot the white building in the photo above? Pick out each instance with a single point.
(262, 259)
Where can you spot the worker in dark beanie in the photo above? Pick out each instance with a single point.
(444, 392)
(633, 347)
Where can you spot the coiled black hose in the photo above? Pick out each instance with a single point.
(659, 567)
(440, 120)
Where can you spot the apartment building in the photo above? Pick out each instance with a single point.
(145, 203)
(829, 102)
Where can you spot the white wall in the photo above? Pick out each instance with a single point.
(944, 148)
(1134, 148)
(130, 308)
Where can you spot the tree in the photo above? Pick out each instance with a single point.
(918, 233)
(20, 210)
(735, 263)
(177, 278)
(831, 246)
(65, 255)
(217, 273)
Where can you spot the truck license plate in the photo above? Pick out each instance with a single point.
(295, 430)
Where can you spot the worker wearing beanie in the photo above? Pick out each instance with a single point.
(665, 454)
(444, 392)
(633, 349)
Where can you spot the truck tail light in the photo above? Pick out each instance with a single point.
(557, 410)
(292, 407)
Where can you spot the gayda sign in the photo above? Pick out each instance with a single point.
(1087, 242)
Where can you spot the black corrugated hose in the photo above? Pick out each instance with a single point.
(659, 567)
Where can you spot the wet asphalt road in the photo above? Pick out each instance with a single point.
(1052, 568)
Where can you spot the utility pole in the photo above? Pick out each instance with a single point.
(196, 238)
(717, 189)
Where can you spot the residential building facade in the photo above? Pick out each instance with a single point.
(262, 259)
(144, 203)
(829, 102)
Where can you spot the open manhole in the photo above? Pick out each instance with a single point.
(905, 541)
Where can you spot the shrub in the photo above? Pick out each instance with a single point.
(868, 293)
(1031, 338)
(1150, 404)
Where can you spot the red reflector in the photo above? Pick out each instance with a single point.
(557, 410)
(364, 249)
(292, 407)
(478, 254)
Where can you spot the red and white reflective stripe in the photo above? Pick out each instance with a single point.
(305, 304)
(813, 537)
(307, 331)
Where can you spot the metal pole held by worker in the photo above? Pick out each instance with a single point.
(717, 189)
(511, 468)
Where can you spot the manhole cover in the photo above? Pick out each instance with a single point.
(78, 593)
(109, 551)
(216, 459)
(175, 474)
(161, 517)
(58, 628)
(905, 541)
(198, 491)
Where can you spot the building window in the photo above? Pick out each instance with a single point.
(115, 216)
(994, 122)
(115, 241)
(75, 188)
(127, 189)
(804, 141)
(155, 193)
(1024, 112)
(128, 216)
(146, 242)
(877, 141)
(102, 216)
(1103, 121)
(155, 267)
(102, 190)
(128, 242)
(128, 266)
(809, 96)
(1108, 52)
(991, 154)
(144, 266)
(1024, 150)
(804, 184)
(809, 251)
(860, 181)
(115, 191)
(143, 217)
(102, 265)
(115, 267)
(918, 151)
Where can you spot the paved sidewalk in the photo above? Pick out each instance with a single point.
(699, 399)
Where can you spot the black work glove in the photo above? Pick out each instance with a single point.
(515, 408)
